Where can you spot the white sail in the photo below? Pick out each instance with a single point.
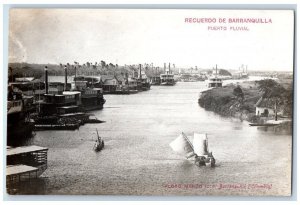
(182, 146)
(200, 144)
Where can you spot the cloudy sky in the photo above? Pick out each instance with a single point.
(151, 36)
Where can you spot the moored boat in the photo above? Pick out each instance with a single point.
(167, 79)
(214, 81)
(18, 126)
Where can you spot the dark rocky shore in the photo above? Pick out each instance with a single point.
(224, 101)
(232, 101)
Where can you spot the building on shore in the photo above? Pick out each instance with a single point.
(266, 108)
(109, 83)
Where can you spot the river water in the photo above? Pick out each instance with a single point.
(137, 159)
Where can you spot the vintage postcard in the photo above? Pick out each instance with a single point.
(150, 102)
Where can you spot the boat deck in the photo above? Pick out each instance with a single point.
(20, 172)
(24, 149)
(19, 169)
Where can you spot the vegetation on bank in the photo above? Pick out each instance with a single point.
(37, 70)
(239, 100)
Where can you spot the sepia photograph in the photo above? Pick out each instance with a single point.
(149, 102)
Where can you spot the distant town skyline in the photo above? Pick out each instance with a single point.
(151, 36)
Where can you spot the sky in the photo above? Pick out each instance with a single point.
(152, 36)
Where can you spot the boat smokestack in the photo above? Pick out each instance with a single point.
(140, 71)
(11, 74)
(165, 67)
(66, 77)
(46, 79)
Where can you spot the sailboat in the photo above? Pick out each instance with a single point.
(99, 144)
(198, 151)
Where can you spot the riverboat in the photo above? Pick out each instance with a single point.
(155, 80)
(17, 124)
(91, 92)
(167, 79)
(214, 81)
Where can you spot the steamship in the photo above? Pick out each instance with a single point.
(214, 81)
(64, 105)
(142, 81)
(18, 126)
(91, 97)
(82, 92)
(167, 78)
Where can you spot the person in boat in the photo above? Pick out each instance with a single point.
(200, 160)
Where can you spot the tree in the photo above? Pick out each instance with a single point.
(103, 64)
(111, 65)
(224, 72)
(238, 92)
(273, 91)
(288, 100)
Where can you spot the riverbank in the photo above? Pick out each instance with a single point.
(223, 101)
(232, 102)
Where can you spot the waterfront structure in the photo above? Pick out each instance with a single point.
(264, 108)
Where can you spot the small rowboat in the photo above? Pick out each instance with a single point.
(99, 145)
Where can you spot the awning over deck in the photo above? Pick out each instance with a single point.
(24, 149)
(19, 169)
